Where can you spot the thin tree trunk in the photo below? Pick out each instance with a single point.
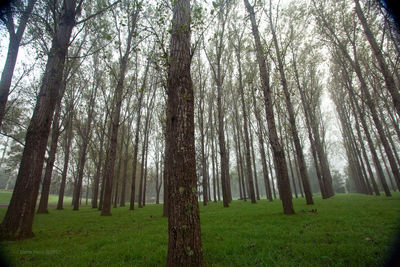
(389, 81)
(249, 173)
(261, 147)
(67, 147)
(13, 47)
(137, 136)
(83, 148)
(55, 133)
(99, 165)
(278, 153)
(368, 100)
(254, 164)
(125, 167)
(272, 177)
(292, 121)
(119, 168)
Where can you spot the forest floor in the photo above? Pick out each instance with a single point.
(346, 230)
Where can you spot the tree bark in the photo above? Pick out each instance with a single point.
(249, 172)
(99, 165)
(261, 147)
(18, 221)
(278, 153)
(292, 121)
(389, 81)
(67, 147)
(115, 116)
(55, 133)
(85, 137)
(119, 168)
(11, 59)
(184, 237)
(137, 137)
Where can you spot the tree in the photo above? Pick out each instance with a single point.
(292, 118)
(133, 16)
(13, 47)
(17, 223)
(184, 238)
(277, 149)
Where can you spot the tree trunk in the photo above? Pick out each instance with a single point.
(55, 133)
(389, 81)
(67, 147)
(11, 59)
(270, 171)
(119, 168)
(143, 171)
(115, 116)
(125, 168)
(99, 164)
(367, 98)
(238, 164)
(249, 172)
(83, 148)
(184, 237)
(292, 122)
(261, 147)
(137, 137)
(278, 153)
(254, 164)
(18, 221)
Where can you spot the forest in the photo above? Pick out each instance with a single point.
(130, 121)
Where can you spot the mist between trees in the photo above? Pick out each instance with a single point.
(175, 102)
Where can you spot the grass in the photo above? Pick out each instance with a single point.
(5, 197)
(346, 230)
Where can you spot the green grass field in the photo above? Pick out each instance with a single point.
(346, 230)
(5, 197)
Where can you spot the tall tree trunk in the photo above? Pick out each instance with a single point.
(137, 138)
(235, 138)
(364, 153)
(272, 177)
(55, 133)
(125, 168)
(211, 140)
(143, 171)
(83, 147)
(99, 165)
(311, 138)
(113, 141)
(296, 167)
(115, 116)
(278, 153)
(249, 172)
(157, 163)
(67, 147)
(184, 237)
(389, 81)
(119, 168)
(367, 97)
(13, 47)
(239, 155)
(254, 163)
(261, 147)
(292, 120)
(18, 221)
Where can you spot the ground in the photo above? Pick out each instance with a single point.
(346, 230)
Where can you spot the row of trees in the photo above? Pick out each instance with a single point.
(194, 102)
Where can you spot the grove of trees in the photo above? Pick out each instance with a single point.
(180, 102)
